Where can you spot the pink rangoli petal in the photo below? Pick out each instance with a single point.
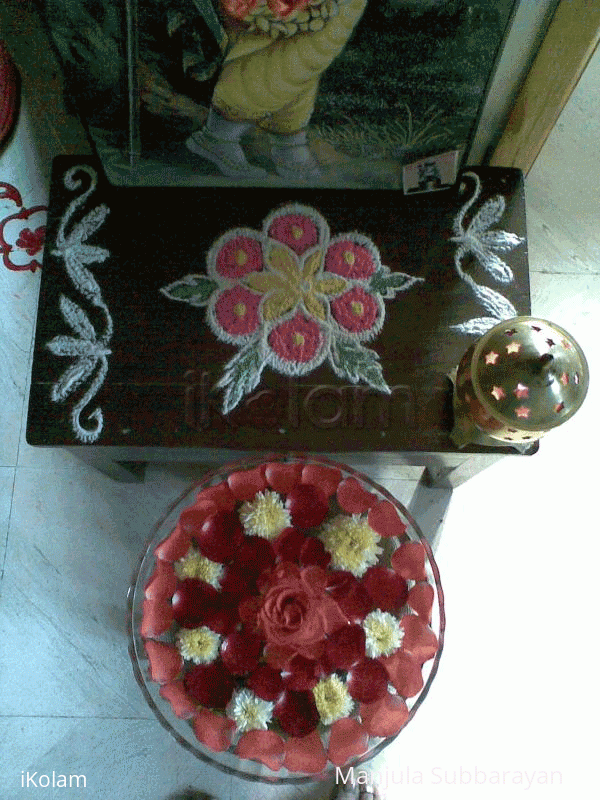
(264, 746)
(305, 754)
(246, 484)
(162, 583)
(326, 478)
(384, 717)
(165, 661)
(157, 617)
(418, 639)
(348, 738)
(409, 561)
(420, 599)
(213, 730)
(384, 520)
(404, 671)
(174, 547)
(283, 477)
(175, 694)
(354, 498)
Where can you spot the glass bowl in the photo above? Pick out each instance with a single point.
(182, 729)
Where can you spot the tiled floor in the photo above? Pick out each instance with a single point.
(516, 696)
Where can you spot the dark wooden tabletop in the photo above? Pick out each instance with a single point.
(164, 361)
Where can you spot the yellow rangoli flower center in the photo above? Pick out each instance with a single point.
(297, 232)
(357, 308)
(298, 339)
(240, 258)
(349, 257)
(239, 310)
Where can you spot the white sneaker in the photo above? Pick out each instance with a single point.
(292, 158)
(226, 154)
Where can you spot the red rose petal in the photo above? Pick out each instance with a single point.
(192, 600)
(240, 652)
(302, 673)
(248, 611)
(277, 656)
(264, 746)
(162, 583)
(255, 555)
(174, 547)
(387, 589)
(384, 520)
(165, 661)
(283, 477)
(313, 553)
(213, 730)
(219, 494)
(221, 619)
(305, 754)
(210, 685)
(193, 517)
(345, 647)
(175, 694)
(326, 478)
(367, 680)
(409, 561)
(354, 498)
(265, 682)
(246, 484)
(420, 598)
(236, 583)
(307, 505)
(404, 671)
(384, 717)
(350, 595)
(220, 537)
(418, 639)
(348, 738)
(157, 617)
(288, 544)
(297, 712)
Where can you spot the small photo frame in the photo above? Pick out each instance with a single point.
(431, 174)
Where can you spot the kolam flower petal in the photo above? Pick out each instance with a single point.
(385, 717)
(404, 671)
(283, 477)
(175, 546)
(162, 582)
(384, 519)
(420, 599)
(358, 312)
(175, 694)
(236, 254)
(220, 494)
(353, 257)
(165, 661)
(298, 227)
(157, 617)
(326, 478)
(297, 345)
(409, 561)
(264, 746)
(245, 484)
(354, 498)
(348, 739)
(305, 754)
(419, 639)
(213, 730)
(233, 314)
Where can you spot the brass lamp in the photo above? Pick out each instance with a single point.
(524, 377)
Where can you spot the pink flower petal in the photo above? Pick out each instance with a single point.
(175, 546)
(219, 494)
(326, 478)
(384, 717)
(264, 746)
(354, 498)
(348, 738)
(305, 754)
(165, 661)
(246, 484)
(384, 520)
(297, 231)
(420, 598)
(157, 617)
(409, 561)
(404, 671)
(418, 639)
(213, 730)
(283, 477)
(162, 583)
(174, 693)
(238, 257)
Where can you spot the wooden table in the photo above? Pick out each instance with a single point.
(109, 343)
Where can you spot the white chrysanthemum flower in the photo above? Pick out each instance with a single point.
(200, 645)
(265, 516)
(195, 565)
(332, 699)
(383, 633)
(249, 712)
(352, 542)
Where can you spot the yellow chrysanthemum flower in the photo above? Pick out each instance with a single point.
(383, 633)
(195, 565)
(352, 542)
(200, 645)
(332, 699)
(264, 516)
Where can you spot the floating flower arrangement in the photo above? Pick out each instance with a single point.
(288, 617)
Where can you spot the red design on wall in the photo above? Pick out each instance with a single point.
(22, 234)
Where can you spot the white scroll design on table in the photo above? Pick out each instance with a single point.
(89, 350)
(484, 244)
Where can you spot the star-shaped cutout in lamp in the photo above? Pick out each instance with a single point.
(523, 412)
(564, 379)
(498, 393)
(521, 392)
(513, 347)
(491, 358)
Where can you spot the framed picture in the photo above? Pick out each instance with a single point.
(338, 93)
